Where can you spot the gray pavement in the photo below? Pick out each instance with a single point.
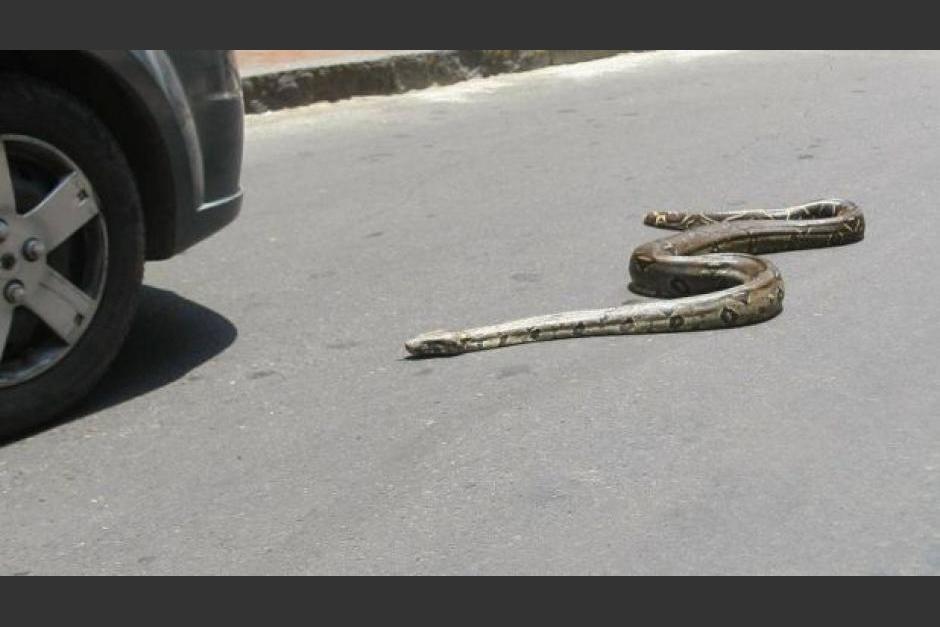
(263, 420)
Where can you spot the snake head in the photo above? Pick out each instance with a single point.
(664, 219)
(435, 343)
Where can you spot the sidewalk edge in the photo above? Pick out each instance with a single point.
(396, 74)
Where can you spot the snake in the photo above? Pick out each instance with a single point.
(706, 276)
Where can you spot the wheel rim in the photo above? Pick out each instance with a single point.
(53, 257)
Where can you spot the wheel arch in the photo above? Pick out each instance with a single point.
(161, 183)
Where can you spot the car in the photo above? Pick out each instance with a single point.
(108, 159)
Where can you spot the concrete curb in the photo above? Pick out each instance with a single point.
(396, 74)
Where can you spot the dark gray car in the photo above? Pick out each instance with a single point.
(107, 159)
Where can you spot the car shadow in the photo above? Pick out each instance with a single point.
(170, 337)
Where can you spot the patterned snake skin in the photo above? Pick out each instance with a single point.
(709, 273)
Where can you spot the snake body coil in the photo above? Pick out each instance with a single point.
(708, 273)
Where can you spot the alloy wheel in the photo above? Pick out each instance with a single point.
(53, 257)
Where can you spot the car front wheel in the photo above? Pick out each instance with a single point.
(71, 251)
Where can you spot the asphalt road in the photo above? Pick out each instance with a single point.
(262, 418)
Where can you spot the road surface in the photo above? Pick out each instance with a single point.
(263, 419)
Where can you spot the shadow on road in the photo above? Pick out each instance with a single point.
(169, 337)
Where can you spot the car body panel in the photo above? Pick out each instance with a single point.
(194, 99)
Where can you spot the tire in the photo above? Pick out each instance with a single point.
(35, 113)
